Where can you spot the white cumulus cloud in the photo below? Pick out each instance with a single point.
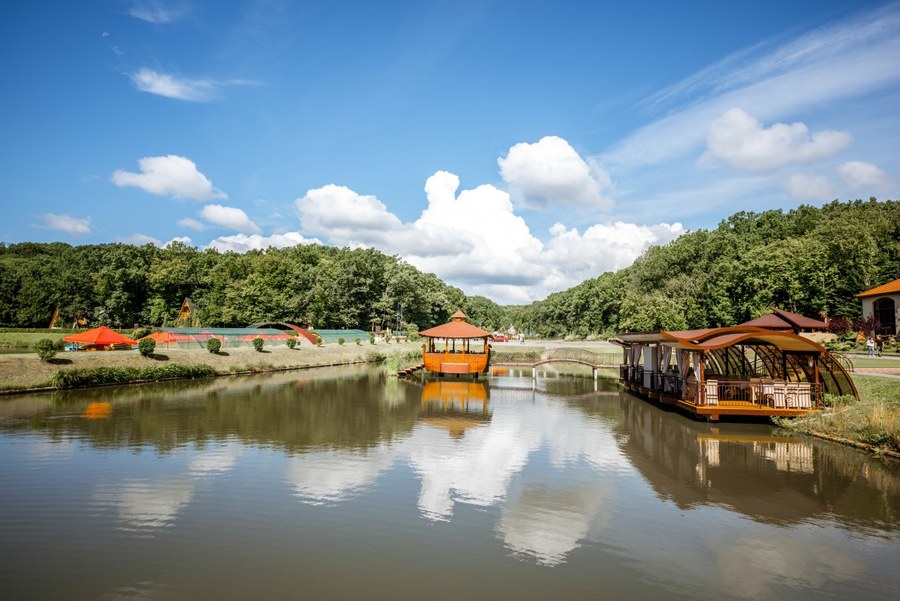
(65, 223)
(182, 239)
(475, 240)
(863, 178)
(807, 186)
(551, 172)
(169, 175)
(347, 218)
(742, 141)
(242, 243)
(230, 217)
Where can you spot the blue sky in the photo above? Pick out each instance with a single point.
(512, 148)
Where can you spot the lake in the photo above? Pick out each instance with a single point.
(342, 483)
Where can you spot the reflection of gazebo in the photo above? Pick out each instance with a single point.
(465, 347)
(101, 337)
(742, 370)
(455, 405)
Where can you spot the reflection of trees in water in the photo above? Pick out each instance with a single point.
(293, 412)
(747, 467)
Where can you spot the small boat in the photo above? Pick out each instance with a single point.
(456, 347)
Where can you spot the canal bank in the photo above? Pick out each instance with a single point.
(24, 372)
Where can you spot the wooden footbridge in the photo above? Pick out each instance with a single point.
(563, 354)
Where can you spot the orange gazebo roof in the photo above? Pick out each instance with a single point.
(458, 327)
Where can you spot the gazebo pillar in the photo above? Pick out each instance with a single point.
(651, 362)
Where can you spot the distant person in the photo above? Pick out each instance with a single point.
(521, 338)
(870, 347)
(879, 345)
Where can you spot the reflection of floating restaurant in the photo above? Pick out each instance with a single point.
(456, 347)
(455, 406)
(741, 370)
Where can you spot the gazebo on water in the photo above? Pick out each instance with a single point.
(456, 347)
(740, 370)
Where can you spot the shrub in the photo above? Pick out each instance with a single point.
(319, 341)
(371, 338)
(358, 341)
(291, 342)
(341, 341)
(869, 325)
(146, 346)
(387, 338)
(839, 325)
(141, 332)
(46, 349)
(214, 345)
(258, 344)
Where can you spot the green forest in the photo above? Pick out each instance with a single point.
(809, 260)
(121, 285)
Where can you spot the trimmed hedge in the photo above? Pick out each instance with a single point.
(99, 376)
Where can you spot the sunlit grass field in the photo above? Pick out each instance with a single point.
(873, 420)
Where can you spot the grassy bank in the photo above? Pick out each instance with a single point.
(26, 371)
(873, 422)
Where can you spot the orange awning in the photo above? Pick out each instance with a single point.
(101, 335)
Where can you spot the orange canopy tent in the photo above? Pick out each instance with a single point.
(101, 336)
(161, 338)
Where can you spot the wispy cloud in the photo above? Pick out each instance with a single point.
(192, 224)
(170, 86)
(230, 217)
(158, 12)
(65, 223)
(839, 61)
(183, 88)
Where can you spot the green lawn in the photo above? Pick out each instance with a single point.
(875, 362)
(26, 340)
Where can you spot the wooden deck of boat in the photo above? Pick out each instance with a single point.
(713, 412)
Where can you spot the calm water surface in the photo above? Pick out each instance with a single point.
(341, 484)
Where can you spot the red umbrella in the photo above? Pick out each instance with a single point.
(102, 336)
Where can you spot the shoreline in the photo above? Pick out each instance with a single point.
(25, 373)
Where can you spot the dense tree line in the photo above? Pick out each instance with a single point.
(121, 285)
(808, 260)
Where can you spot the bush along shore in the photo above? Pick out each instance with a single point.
(103, 376)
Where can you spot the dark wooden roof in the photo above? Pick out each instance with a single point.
(779, 319)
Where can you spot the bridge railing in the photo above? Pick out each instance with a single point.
(553, 355)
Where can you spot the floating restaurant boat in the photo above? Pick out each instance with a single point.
(742, 370)
(456, 347)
